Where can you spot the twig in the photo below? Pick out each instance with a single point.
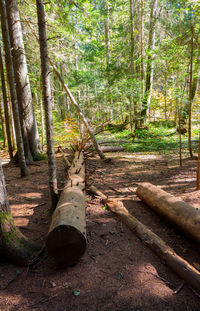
(89, 175)
(179, 288)
(43, 300)
(158, 277)
(11, 281)
(38, 205)
(117, 191)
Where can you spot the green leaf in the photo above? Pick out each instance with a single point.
(76, 292)
(120, 276)
(104, 208)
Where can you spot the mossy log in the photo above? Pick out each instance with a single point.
(180, 266)
(66, 240)
(178, 212)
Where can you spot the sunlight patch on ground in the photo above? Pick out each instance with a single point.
(30, 195)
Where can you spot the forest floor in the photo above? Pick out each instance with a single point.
(117, 272)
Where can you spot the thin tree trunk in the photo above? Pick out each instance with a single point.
(6, 109)
(11, 79)
(47, 100)
(3, 127)
(150, 62)
(132, 34)
(14, 142)
(198, 167)
(24, 96)
(142, 48)
(107, 43)
(191, 95)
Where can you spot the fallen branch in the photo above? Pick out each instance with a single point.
(180, 266)
(72, 99)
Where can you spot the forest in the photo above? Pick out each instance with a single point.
(100, 155)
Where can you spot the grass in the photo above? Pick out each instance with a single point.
(156, 139)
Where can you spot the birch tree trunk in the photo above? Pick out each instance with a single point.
(47, 100)
(11, 80)
(24, 96)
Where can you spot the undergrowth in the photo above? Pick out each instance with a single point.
(157, 138)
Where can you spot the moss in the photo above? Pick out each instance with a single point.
(40, 156)
(9, 232)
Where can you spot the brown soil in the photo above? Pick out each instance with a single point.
(117, 272)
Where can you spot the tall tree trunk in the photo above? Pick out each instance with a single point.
(47, 100)
(14, 142)
(11, 79)
(141, 47)
(3, 127)
(6, 108)
(13, 245)
(191, 93)
(22, 80)
(132, 35)
(107, 43)
(150, 63)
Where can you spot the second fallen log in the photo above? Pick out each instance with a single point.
(66, 240)
(183, 215)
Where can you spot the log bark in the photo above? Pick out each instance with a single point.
(180, 266)
(185, 216)
(111, 148)
(66, 240)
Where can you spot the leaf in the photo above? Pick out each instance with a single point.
(76, 292)
(120, 276)
(104, 208)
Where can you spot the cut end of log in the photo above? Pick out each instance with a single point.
(66, 244)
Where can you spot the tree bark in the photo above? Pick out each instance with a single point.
(30, 133)
(180, 266)
(47, 101)
(183, 215)
(198, 166)
(6, 109)
(111, 148)
(3, 127)
(66, 240)
(191, 93)
(11, 79)
(13, 245)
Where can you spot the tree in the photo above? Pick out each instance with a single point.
(11, 80)
(28, 122)
(149, 69)
(47, 100)
(6, 109)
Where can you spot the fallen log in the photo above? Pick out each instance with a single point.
(66, 240)
(185, 216)
(180, 266)
(111, 148)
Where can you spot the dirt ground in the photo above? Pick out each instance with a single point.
(117, 272)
